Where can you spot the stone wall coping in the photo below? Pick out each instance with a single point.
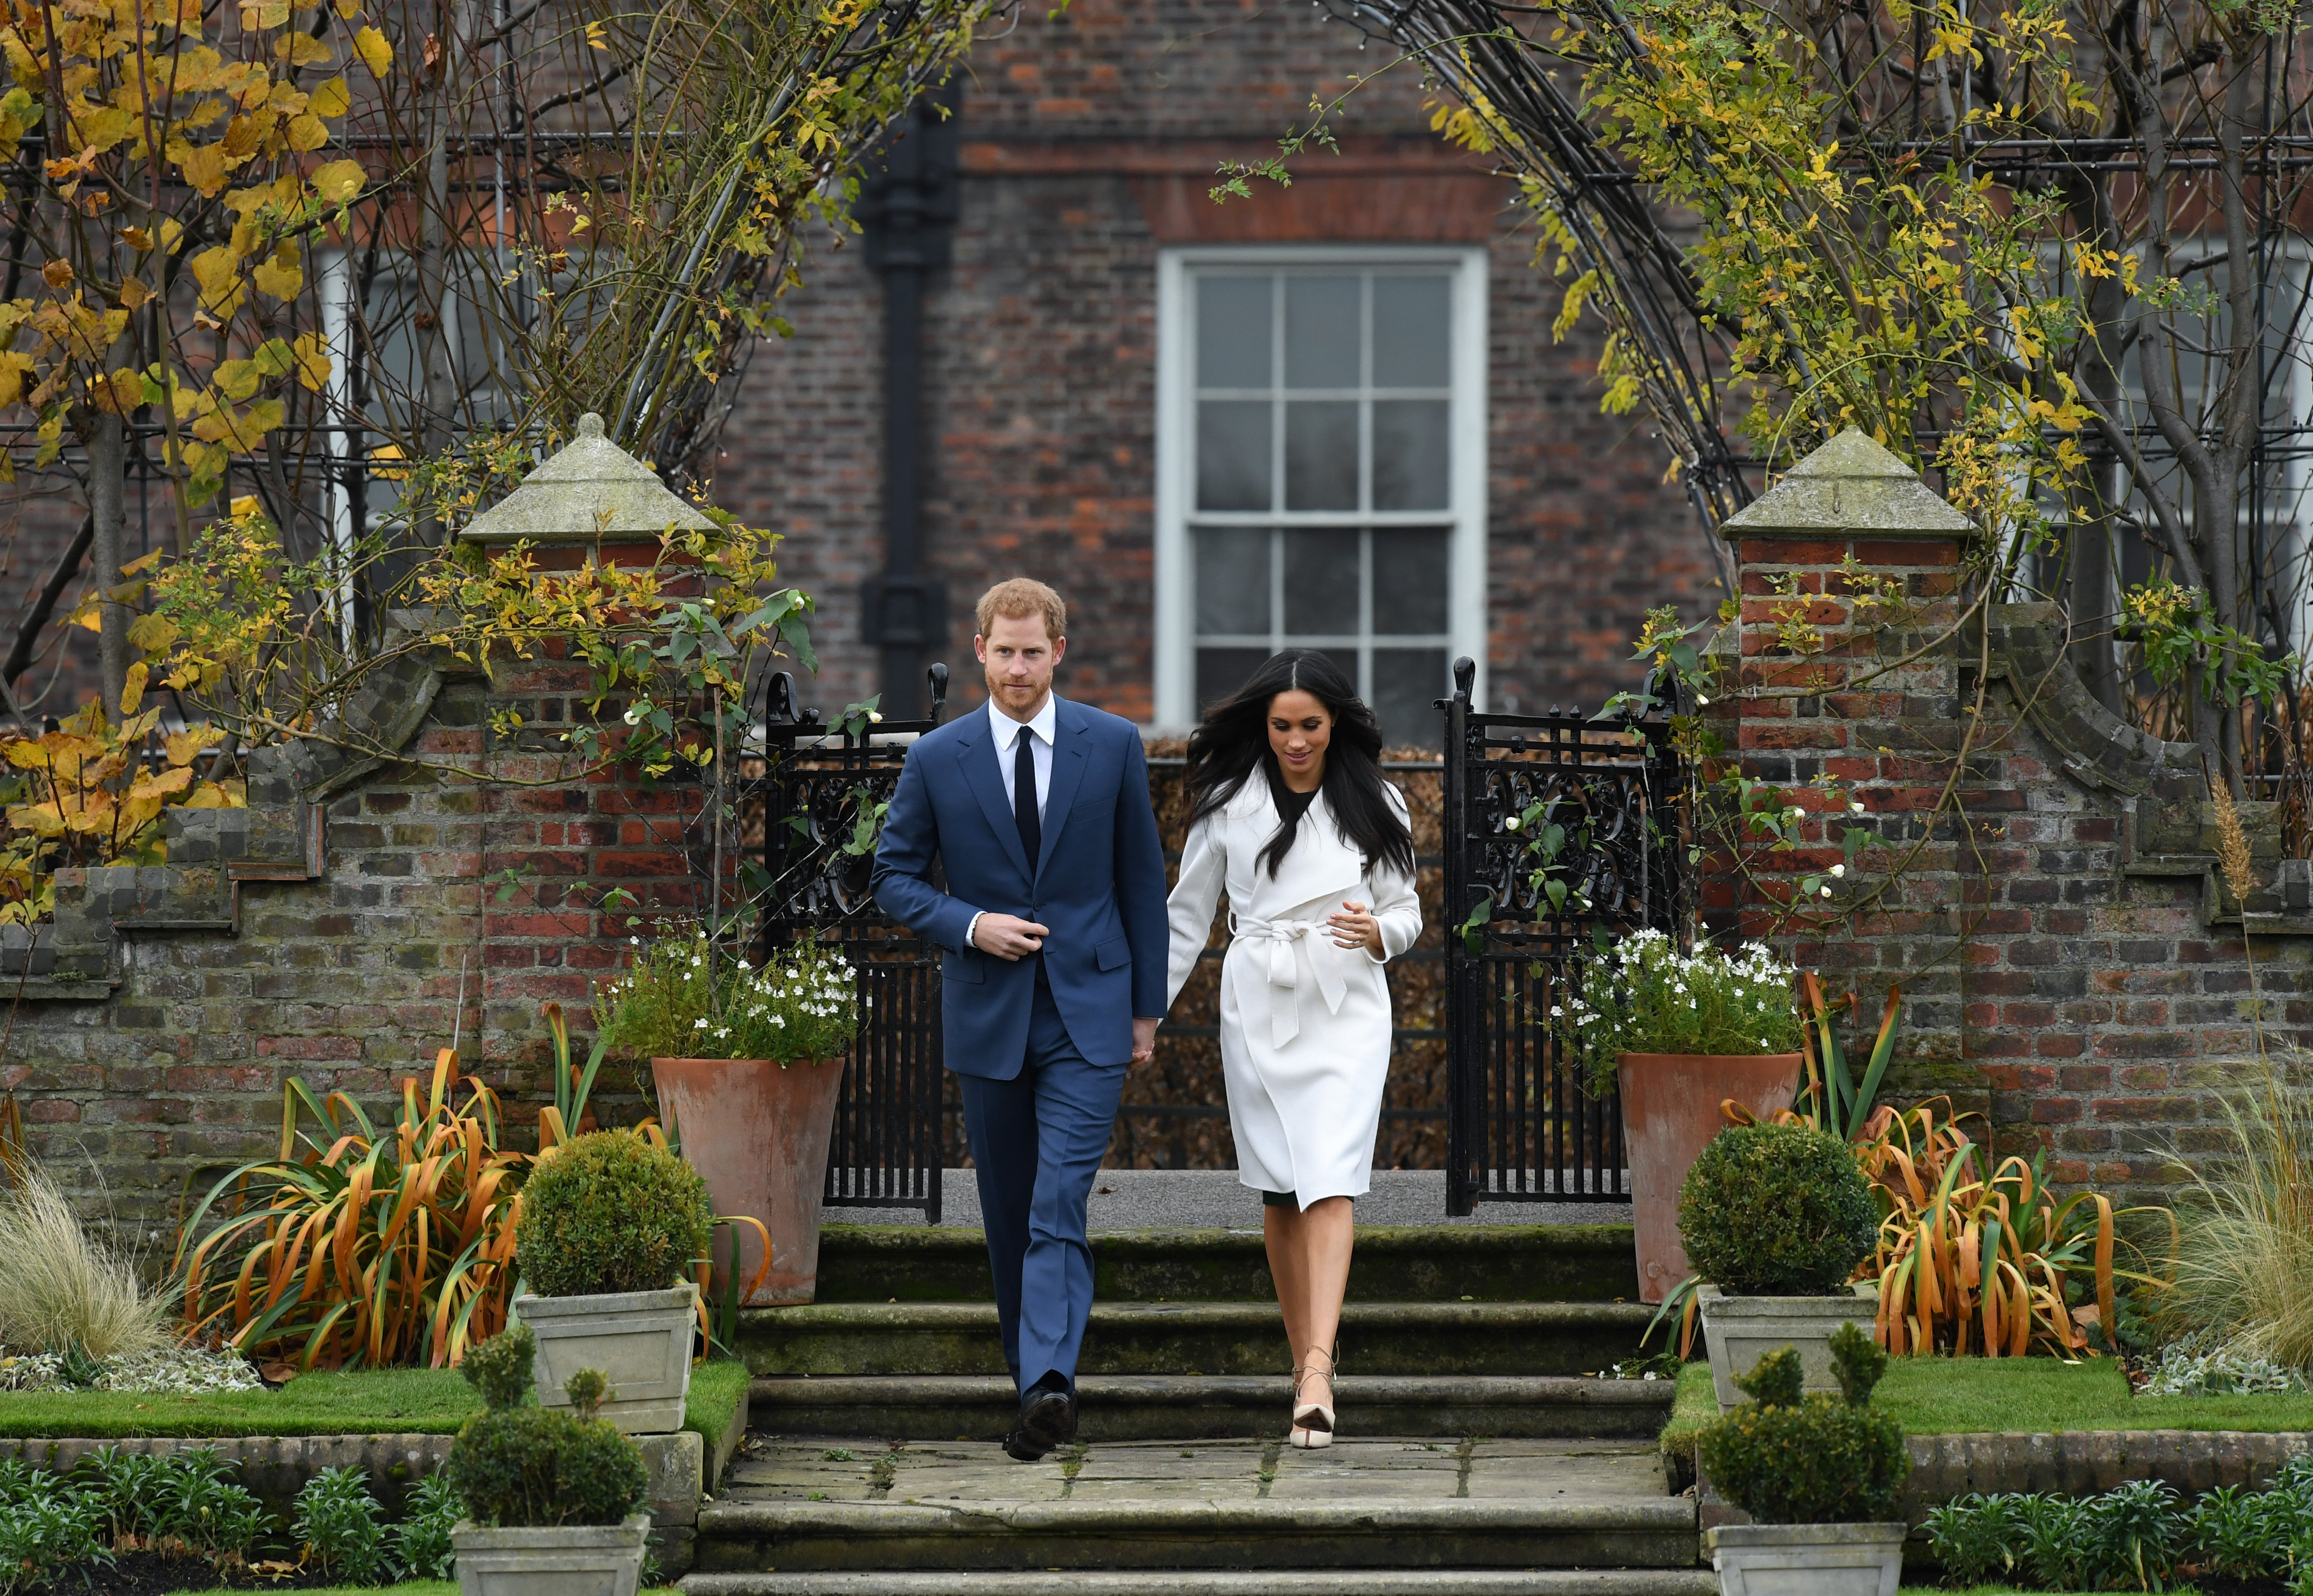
(1851, 488)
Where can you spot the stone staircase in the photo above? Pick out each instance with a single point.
(1480, 1456)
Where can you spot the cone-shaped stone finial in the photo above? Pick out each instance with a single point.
(1852, 487)
(588, 490)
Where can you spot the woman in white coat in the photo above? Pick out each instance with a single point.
(1290, 817)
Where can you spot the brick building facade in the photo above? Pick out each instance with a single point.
(1087, 142)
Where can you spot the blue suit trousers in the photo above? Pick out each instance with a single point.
(1037, 1139)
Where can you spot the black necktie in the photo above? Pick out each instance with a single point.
(1023, 797)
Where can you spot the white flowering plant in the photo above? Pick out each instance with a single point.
(682, 999)
(1643, 995)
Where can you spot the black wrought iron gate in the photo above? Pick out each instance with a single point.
(819, 782)
(1554, 827)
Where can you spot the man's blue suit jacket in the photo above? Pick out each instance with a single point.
(1099, 887)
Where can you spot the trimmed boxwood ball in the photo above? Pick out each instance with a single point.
(1776, 1211)
(609, 1212)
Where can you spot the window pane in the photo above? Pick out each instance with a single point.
(1410, 454)
(1410, 574)
(1232, 580)
(1406, 685)
(1221, 671)
(1233, 332)
(1321, 585)
(1320, 332)
(1410, 332)
(1233, 454)
(1321, 455)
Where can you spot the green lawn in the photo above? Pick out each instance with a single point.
(386, 1401)
(1951, 1395)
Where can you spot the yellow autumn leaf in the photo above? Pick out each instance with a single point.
(338, 180)
(118, 392)
(314, 362)
(26, 754)
(38, 819)
(209, 796)
(132, 691)
(218, 271)
(331, 98)
(281, 276)
(206, 168)
(184, 747)
(150, 634)
(300, 49)
(375, 52)
(14, 366)
(163, 785)
(308, 133)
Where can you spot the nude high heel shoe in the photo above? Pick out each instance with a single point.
(1313, 1422)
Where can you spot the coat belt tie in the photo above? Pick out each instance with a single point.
(1285, 972)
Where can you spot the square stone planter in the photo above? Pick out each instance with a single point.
(1804, 1559)
(575, 1560)
(1741, 1330)
(640, 1339)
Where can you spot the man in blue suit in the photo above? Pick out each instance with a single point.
(1054, 930)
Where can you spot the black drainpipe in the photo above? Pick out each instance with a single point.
(907, 208)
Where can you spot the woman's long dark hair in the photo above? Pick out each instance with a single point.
(1232, 742)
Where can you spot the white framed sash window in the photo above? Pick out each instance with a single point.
(1321, 470)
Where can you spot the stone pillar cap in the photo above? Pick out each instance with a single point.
(1850, 487)
(589, 490)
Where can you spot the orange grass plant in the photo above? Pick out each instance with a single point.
(356, 1246)
(1979, 1263)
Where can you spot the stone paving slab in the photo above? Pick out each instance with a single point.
(1378, 1470)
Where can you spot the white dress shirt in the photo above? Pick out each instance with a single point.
(1040, 745)
(1008, 733)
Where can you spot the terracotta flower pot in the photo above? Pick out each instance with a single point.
(1670, 1113)
(758, 1132)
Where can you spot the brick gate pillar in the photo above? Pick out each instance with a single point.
(1841, 685)
(552, 851)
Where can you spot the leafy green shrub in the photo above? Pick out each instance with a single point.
(1776, 1210)
(133, 1490)
(518, 1467)
(342, 1528)
(207, 1514)
(2137, 1537)
(421, 1541)
(1788, 1459)
(46, 1524)
(609, 1212)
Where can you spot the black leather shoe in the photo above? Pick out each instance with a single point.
(1048, 1417)
(1021, 1449)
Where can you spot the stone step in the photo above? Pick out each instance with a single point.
(1136, 1338)
(1382, 1503)
(1223, 1581)
(1493, 1263)
(1130, 1407)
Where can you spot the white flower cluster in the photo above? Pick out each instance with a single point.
(1648, 997)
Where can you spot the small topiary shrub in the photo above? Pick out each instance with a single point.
(518, 1467)
(1818, 1461)
(609, 1212)
(1776, 1210)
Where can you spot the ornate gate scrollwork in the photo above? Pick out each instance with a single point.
(820, 797)
(1556, 826)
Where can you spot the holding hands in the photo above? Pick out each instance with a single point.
(1353, 927)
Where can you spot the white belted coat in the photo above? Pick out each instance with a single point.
(1305, 1024)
